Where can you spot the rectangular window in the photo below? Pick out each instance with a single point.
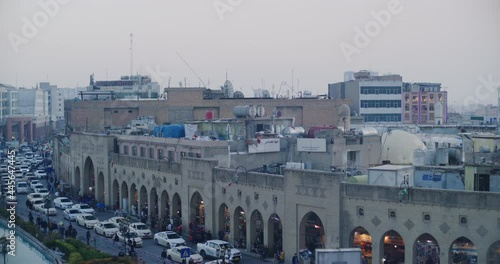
(134, 150)
(431, 107)
(143, 152)
(151, 153)
(125, 150)
(171, 156)
(160, 154)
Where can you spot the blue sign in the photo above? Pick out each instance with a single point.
(185, 252)
(430, 177)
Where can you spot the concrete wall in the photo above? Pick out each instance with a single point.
(184, 106)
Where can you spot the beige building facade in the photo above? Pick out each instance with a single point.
(302, 208)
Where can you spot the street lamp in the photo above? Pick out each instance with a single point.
(124, 229)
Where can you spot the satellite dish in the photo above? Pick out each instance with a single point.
(238, 94)
(228, 89)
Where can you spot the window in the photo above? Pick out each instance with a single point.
(431, 107)
(151, 153)
(160, 154)
(134, 150)
(361, 211)
(125, 150)
(143, 152)
(130, 111)
(171, 155)
(426, 217)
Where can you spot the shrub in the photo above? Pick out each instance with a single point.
(66, 248)
(75, 258)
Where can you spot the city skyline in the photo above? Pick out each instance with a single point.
(256, 43)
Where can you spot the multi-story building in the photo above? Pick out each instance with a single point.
(299, 209)
(33, 102)
(375, 98)
(424, 103)
(128, 87)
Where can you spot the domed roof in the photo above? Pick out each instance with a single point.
(398, 146)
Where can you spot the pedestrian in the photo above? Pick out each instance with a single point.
(39, 222)
(295, 259)
(134, 244)
(164, 255)
(30, 217)
(88, 237)
(61, 230)
(115, 239)
(153, 223)
(169, 227)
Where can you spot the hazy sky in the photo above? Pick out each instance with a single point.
(455, 42)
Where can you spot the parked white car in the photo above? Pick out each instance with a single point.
(41, 174)
(169, 239)
(42, 208)
(84, 208)
(174, 254)
(33, 182)
(106, 229)
(87, 220)
(37, 202)
(71, 214)
(62, 203)
(142, 230)
(213, 248)
(132, 235)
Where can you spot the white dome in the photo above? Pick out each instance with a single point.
(398, 146)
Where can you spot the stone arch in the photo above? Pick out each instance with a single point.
(197, 209)
(134, 200)
(77, 181)
(256, 229)
(275, 232)
(164, 205)
(224, 228)
(176, 210)
(153, 201)
(426, 247)
(143, 201)
(240, 228)
(115, 195)
(393, 249)
(462, 250)
(100, 187)
(362, 239)
(125, 202)
(312, 232)
(494, 253)
(88, 177)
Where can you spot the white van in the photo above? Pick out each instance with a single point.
(22, 187)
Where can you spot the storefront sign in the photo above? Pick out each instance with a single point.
(311, 144)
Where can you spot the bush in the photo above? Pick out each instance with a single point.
(75, 258)
(66, 248)
(50, 240)
(86, 251)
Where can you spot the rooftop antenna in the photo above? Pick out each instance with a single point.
(131, 55)
(191, 69)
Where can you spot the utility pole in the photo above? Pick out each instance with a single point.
(131, 55)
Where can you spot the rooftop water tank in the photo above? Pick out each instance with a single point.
(244, 111)
(442, 156)
(295, 132)
(429, 156)
(418, 157)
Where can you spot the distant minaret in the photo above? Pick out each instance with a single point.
(131, 55)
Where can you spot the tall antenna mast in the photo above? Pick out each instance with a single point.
(131, 56)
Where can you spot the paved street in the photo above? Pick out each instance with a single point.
(149, 252)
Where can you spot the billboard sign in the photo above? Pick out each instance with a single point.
(265, 145)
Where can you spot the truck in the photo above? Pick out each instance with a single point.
(218, 249)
